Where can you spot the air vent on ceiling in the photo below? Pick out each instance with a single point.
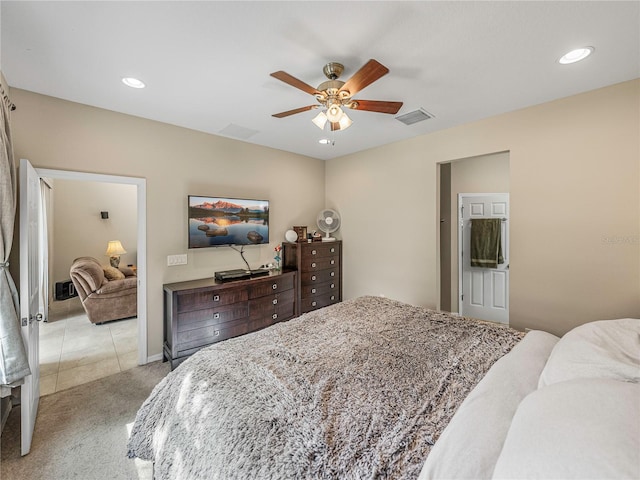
(415, 116)
(237, 131)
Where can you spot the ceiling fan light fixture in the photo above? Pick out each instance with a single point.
(320, 120)
(345, 122)
(335, 94)
(334, 113)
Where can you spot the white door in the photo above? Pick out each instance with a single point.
(484, 292)
(30, 305)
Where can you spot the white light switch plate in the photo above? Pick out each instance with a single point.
(176, 260)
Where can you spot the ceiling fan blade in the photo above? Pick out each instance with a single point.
(294, 82)
(293, 112)
(368, 74)
(377, 106)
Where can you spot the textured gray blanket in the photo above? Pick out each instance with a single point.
(359, 390)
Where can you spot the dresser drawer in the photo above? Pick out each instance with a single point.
(313, 303)
(207, 298)
(320, 250)
(211, 316)
(313, 264)
(201, 337)
(318, 289)
(286, 312)
(269, 286)
(316, 277)
(272, 308)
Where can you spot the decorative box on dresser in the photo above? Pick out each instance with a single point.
(319, 266)
(198, 313)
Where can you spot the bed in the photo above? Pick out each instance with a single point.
(368, 388)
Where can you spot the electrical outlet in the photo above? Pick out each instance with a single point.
(173, 260)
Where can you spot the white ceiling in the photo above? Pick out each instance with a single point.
(207, 64)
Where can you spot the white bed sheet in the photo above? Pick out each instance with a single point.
(471, 444)
(587, 428)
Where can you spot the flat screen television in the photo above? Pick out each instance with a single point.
(221, 221)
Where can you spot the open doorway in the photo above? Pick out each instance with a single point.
(482, 174)
(73, 349)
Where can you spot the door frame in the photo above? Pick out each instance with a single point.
(461, 243)
(141, 260)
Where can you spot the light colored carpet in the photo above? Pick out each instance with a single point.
(82, 433)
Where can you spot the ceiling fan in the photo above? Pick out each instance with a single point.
(333, 95)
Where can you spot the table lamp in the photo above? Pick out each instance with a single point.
(114, 250)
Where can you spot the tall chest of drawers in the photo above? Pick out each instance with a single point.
(319, 266)
(198, 313)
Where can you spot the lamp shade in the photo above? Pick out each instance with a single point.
(115, 248)
(320, 120)
(334, 113)
(345, 122)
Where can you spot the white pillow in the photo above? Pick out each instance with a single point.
(470, 445)
(579, 429)
(606, 348)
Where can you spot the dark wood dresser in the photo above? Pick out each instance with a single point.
(198, 313)
(319, 266)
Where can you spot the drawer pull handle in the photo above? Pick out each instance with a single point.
(274, 316)
(275, 301)
(313, 304)
(313, 290)
(333, 285)
(274, 286)
(333, 297)
(313, 278)
(333, 262)
(216, 298)
(216, 316)
(333, 250)
(313, 265)
(313, 252)
(216, 333)
(333, 274)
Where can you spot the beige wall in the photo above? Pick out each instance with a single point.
(575, 215)
(79, 230)
(175, 162)
(483, 174)
(574, 178)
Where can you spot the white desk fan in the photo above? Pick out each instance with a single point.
(328, 221)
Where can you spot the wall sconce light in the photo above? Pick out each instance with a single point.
(104, 215)
(114, 250)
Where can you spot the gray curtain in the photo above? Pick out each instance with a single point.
(14, 364)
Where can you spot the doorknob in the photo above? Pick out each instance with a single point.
(37, 318)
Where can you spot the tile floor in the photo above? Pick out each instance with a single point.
(74, 351)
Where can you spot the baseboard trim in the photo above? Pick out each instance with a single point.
(154, 358)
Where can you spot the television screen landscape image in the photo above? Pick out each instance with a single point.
(218, 221)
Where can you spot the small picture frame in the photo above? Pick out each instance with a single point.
(302, 233)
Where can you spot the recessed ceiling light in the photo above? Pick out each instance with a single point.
(576, 55)
(133, 82)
